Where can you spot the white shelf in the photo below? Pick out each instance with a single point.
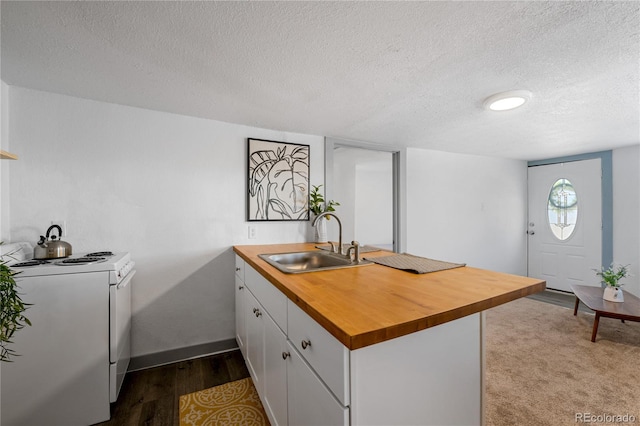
(4, 155)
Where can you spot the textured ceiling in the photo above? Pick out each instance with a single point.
(401, 73)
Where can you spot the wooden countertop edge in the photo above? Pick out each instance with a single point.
(366, 339)
(369, 338)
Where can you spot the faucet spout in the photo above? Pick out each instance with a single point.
(315, 223)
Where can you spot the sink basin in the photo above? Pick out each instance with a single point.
(309, 261)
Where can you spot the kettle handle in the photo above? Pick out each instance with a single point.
(54, 226)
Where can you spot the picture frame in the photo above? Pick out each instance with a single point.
(277, 181)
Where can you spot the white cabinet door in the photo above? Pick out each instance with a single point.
(241, 330)
(240, 267)
(276, 354)
(309, 401)
(324, 353)
(272, 299)
(254, 324)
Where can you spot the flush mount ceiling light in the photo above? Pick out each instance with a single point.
(507, 100)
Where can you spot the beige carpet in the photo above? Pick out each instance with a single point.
(543, 369)
(231, 404)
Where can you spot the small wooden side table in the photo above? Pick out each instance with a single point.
(592, 298)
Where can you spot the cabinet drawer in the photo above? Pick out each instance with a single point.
(240, 267)
(272, 299)
(326, 355)
(309, 400)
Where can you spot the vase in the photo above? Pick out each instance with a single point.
(320, 231)
(613, 294)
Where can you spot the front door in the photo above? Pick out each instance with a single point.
(565, 223)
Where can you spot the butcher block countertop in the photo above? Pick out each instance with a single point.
(366, 305)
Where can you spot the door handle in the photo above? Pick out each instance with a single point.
(531, 232)
(126, 281)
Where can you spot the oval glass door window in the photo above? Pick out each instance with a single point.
(562, 209)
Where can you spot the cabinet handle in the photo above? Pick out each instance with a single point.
(305, 344)
(240, 287)
(258, 313)
(285, 355)
(237, 269)
(255, 310)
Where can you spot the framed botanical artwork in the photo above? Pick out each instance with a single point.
(278, 181)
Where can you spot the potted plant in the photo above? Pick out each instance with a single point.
(611, 277)
(317, 206)
(12, 310)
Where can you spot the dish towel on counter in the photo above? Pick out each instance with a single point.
(416, 264)
(363, 249)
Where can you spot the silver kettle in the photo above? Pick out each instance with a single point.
(51, 249)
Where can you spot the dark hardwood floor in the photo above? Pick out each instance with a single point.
(151, 397)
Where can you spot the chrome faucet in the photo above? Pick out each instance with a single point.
(315, 223)
(355, 248)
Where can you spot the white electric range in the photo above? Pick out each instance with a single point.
(74, 357)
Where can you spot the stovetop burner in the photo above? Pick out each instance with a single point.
(87, 259)
(29, 263)
(99, 254)
(81, 260)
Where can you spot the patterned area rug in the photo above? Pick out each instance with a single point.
(233, 403)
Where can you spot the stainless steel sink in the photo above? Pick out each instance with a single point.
(309, 261)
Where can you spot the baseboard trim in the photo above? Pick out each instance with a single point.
(157, 359)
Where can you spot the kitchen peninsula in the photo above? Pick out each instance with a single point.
(367, 345)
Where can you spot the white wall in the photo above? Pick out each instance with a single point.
(374, 189)
(3, 179)
(6, 164)
(344, 191)
(469, 209)
(363, 185)
(626, 213)
(168, 188)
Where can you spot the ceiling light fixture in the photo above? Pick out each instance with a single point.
(507, 100)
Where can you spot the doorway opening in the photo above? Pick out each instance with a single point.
(570, 220)
(366, 180)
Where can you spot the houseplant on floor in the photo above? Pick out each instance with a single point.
(611, 279)
(12, 310)
(317, 206)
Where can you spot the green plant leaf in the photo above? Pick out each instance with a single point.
(317, 204)
(11, 310)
